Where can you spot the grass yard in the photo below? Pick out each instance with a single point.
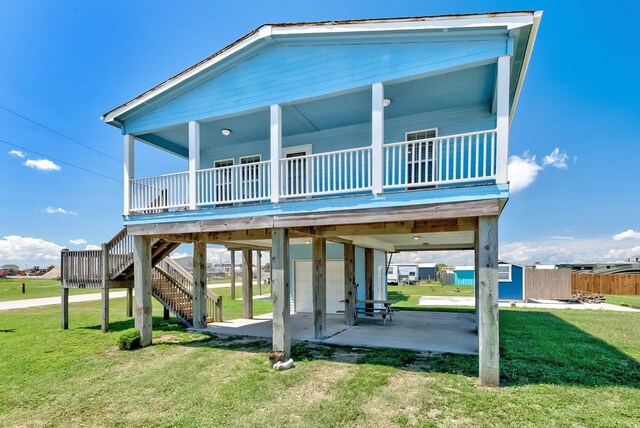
(232, 309)
(408, 296)
(558, 368)
(11, 289)
(623, 300)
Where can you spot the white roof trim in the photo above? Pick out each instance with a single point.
(510, 20)
(525, 61)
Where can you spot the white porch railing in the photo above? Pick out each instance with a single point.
(343, 171)
(462, 158)
(237, 183)
(442, 160)
(151, 194)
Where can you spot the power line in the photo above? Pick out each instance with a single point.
(73, 140)
(61, 161)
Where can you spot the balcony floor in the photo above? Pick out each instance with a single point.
(400, 199)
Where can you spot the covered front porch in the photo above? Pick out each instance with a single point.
(446, 332)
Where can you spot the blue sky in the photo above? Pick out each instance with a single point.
(65, 63)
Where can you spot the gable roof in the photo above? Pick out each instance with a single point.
(508, 20)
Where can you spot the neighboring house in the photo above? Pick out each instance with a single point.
(329, 144)
(10, 268)
(613, 267)
(541, 266)
(185, 261)
(511, 279)
(428, 272)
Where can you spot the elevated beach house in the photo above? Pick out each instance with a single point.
(357, 137)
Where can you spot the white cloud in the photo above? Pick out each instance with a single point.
(551, 250)
(42, 164)
(92, 247)
(21, 250)
(556, 159)
(177, 255)
(627, 234)
(17, 153)
(524, 169)
(78, 241)
(58, 210)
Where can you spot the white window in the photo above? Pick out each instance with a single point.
(421, 156)
(504, 273)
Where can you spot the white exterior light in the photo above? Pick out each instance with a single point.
(386, 102)
(225, 132)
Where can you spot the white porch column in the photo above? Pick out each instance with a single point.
(194, 162)
(488, 330)
(377, 136)
(502, 118)
(128, 171)
(276, 151)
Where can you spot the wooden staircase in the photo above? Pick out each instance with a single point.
(172, 285)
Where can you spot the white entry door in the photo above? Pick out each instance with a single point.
(303, 288)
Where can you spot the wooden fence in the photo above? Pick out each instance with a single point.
(547, 284)
(606, 283)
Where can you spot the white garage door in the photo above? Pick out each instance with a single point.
(303, 288)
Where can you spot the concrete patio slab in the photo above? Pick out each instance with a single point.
(261, 326)
(417, 331)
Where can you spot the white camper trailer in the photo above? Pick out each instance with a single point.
(402, 274)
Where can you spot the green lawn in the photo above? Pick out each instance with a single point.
(11, 289)
(233, 308)
(558, 368)
(408, 296)
(622, 300)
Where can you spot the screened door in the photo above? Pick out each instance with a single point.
(421, 157)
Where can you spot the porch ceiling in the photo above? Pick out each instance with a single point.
(389, 242)
(471, 86)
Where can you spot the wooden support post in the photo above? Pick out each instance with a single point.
(281, 291)
(247, 284)
(64, 308)
(368, 279)
(129, 302)
(233, 275)
(200, 284)
(350, 292)
(105, 289)
(319, 286)
(165, 314)
(142, 286)
(259, 271)
(488, 333)
(218, 304)
(129, 141)
(64, 291)
(476, 284)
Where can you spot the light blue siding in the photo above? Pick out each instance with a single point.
(282, 74)
(464, 277)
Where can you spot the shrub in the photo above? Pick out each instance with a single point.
(129, 339)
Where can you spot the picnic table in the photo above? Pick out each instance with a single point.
(369, 309)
